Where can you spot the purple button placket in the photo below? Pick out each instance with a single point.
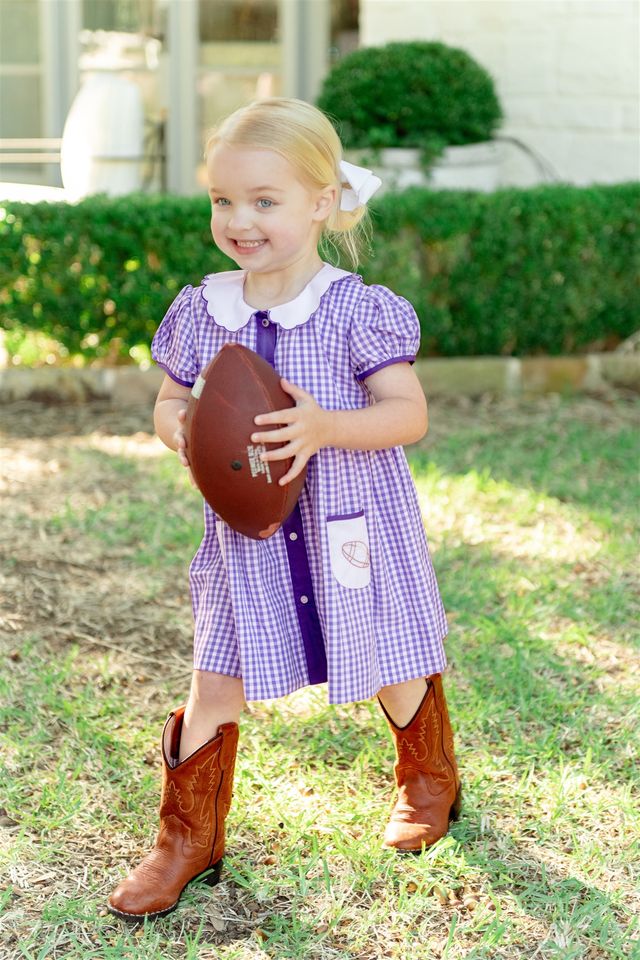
(293, 532)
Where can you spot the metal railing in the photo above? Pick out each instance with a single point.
(17, 150)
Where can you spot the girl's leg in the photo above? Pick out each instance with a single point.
(213, 699)
(401, 700)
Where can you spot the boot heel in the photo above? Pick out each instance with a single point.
(212, 876)
(454, 813)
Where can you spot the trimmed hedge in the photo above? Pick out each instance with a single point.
(552, 269)
(98, 276)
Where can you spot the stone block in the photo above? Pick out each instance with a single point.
(470, 376)
(530, 63)
(51, 385)
(631, 116)
(120, 385)
(554, 374)
(528, 111)
(592, 158)
(584, 113)
(131, 386)
(620, 369)
(598, 57)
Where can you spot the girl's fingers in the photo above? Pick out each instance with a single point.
(282, 453)
(276, 416)
(296, 468)
(272, 436)
(293, 390)
(287, 452)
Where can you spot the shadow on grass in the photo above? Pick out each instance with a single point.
(566, 454)
(34, 420)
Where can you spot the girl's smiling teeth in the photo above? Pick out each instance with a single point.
(249, 244)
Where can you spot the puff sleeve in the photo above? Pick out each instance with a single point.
(173, 347)
(384, 330)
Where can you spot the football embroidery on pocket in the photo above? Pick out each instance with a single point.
(356, 552)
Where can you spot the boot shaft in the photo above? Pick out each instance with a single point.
(426, 742)
(196, 793)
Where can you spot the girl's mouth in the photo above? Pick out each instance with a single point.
(247, 246)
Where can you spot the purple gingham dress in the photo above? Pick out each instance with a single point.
(345, 590)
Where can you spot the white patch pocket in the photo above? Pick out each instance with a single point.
(349, 549)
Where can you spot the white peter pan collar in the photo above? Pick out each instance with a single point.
(223, 295)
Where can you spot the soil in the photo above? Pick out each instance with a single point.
(61, 589)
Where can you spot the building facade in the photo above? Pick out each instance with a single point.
(567, 73)
(192, 60)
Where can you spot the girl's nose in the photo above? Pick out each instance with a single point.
(240, 218)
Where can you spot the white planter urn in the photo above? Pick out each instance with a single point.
(476, 166)
(103, 138)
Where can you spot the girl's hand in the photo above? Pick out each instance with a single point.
(306, 429)
(180, 440)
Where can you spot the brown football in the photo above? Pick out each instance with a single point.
(237, 385)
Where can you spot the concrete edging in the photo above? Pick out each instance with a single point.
(459, 376)
(514, 376)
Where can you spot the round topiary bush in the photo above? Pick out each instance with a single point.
(411, 94)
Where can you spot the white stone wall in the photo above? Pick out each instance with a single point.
(567, 73)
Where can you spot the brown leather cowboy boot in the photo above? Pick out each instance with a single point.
(426, 774)
(196, 796)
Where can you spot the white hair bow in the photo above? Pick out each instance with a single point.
(362, 185)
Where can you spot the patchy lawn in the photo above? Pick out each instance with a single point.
(532, 513)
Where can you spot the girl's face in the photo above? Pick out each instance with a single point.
(263, 216)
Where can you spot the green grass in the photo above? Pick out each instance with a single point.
(532, 515)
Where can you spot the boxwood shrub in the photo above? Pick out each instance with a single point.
(550, 269)
(410, 94)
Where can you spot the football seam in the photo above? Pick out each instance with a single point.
(244, 359)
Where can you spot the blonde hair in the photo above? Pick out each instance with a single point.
(305, 137)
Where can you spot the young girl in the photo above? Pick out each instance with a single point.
(344, 592)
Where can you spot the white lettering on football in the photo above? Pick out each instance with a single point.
(258, 467)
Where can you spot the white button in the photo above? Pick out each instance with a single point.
(304, 599)
(293, 536)
(265, 322)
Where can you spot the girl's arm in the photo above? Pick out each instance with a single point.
(169, 414)
(398, 416)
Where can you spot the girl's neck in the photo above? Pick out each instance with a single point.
(266, 290)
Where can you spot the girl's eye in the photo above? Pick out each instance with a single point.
(221, 202)
(265, 204)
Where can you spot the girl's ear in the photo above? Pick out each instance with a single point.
(325, 203)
